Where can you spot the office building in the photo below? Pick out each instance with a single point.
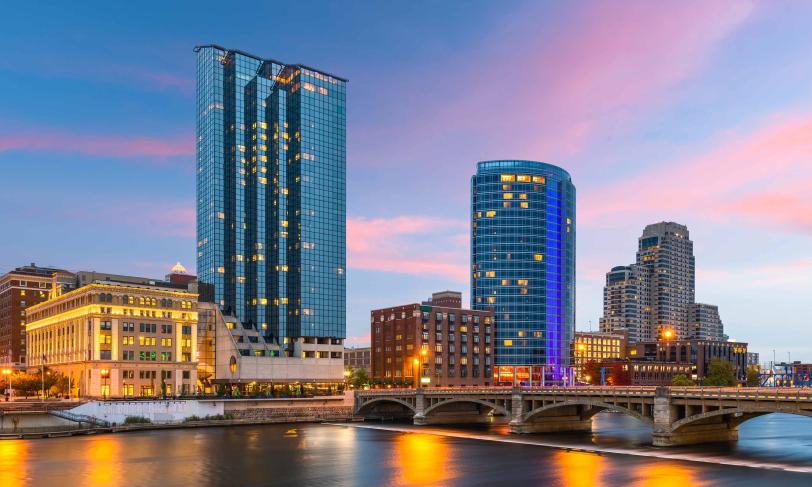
(358, 358)
(696, 353)
(596, 347)
(431, 346)
(271, 213)
(19, 290)
(118, 336)
(523, 264)
(654, 298)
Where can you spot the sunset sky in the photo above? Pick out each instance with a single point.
(698, 112)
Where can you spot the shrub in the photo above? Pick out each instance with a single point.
(137, 420)
(213, 417)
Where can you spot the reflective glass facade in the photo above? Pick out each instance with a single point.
(523, 260)
(271, 188)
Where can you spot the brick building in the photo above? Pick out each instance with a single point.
(20, 289)
(432, 345)
(596, 347)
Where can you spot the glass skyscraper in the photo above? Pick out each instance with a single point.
(271, 202)
(523, 265)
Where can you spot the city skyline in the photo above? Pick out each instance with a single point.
(123, 118)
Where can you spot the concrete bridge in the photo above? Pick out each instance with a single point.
(677, 415)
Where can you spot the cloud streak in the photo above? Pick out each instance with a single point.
(98, 145)
(416, 245)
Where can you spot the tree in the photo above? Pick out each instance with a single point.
(681, 380)
(619, 375)
(359, 378)
(753, 374)
(720, 373)
(591, 374)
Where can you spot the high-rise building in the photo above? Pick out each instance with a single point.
(20, 289)
(626, 305)
(655, 298)
(666, 249)
(523, 264)
(271, 203)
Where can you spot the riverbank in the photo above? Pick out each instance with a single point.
(98, 417)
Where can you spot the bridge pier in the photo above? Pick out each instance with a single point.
(568, 420)
(712, 430)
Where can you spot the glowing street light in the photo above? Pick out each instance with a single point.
(7, 373)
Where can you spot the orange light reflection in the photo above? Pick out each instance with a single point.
(580, 468)
(13, 462)
(664, 474)
(421, 459)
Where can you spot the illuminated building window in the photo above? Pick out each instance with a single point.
(523, 178)
(506, 282)
(523, 196)
(537, 334)
(521, 282)
(308, 86)
(508, 196)
(490, 273)
(538, 179)
(491, 299)
(508, 178)
(507, 343)
(521, 333)
(538, 257)
(490, 214)
(506, 204)
(524, 204)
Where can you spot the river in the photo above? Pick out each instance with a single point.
(772, 449)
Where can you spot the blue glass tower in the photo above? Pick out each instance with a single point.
(271, 202)
(523, 262)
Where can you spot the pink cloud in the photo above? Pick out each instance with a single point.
(113, 146)
(733, 179)
(163, 220)
(408, 245)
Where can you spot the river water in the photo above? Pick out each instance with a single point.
(772, 449)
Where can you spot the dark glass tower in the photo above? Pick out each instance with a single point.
(271, 202)
(523, 263)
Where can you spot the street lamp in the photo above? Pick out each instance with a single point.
(105, 374)
(7, 373)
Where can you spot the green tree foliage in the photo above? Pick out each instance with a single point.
(752, 376)
(681, 380)
(720, 373)
(359, 378)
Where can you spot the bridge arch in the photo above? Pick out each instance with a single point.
(599, 406)
(367, 406)
(495, 407)
(739, 416)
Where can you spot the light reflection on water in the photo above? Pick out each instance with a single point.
(345, 455)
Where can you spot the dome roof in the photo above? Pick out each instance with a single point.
(178, 269)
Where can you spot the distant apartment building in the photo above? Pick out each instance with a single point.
(358, 358)
(704, 322)
(19, 290)
(626, 303)
(696, 353)
(430, 345)
(753, 359)
(654, 298)
(596, 347)
(118, 336)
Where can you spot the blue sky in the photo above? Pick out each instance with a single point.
(697, 112)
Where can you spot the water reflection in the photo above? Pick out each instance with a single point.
(13, 462)
(580, 468)
(421, 459)
(101, 461)
(666, 474)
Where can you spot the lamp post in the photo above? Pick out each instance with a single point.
(424, 353)
(581, 363)
(7, 373)
(105, 374)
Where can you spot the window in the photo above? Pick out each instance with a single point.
(538, 179)
(523, 179)
(508, 343)
(538, 257)
(507, 178)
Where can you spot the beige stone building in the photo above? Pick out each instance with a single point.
(118, 337)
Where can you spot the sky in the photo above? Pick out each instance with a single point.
(698, 112)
